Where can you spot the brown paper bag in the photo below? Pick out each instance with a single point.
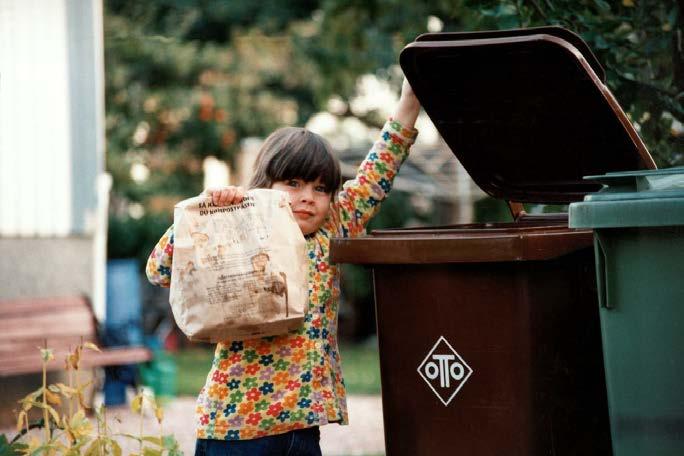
(238, 271)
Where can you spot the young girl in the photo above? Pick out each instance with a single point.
(269, 395)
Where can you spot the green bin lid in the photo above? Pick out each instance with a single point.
(633, 199)
(527, 114)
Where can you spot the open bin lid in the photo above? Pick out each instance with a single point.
(552, 30)
(525, 113)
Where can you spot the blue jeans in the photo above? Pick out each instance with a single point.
(302, 442)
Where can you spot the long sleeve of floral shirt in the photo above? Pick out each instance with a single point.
(272, 385)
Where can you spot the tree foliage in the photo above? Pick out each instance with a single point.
(639, 43)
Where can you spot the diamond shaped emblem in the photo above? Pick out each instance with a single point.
(444, 371)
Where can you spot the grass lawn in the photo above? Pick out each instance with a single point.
(192, 366)
(360, 366)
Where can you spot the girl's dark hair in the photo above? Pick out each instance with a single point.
(296, 153)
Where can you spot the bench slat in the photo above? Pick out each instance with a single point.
(70, 322)
(110, 357)
(26, 323)
(35, 305)
(58, 345)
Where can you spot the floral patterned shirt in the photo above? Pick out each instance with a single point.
(272, 385)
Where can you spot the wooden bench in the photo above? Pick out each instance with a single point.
(26, 323)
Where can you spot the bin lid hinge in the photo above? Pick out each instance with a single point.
(517, 210)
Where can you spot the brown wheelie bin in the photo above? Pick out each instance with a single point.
(489, 333)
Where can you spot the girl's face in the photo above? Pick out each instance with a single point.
(309, 201)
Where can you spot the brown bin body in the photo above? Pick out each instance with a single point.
(489, 334)
(519, 306)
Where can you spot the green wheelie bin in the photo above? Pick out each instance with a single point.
(638, 222)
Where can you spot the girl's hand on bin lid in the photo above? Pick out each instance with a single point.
(408, 108)
(225, 196)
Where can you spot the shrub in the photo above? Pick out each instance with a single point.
(73, 433)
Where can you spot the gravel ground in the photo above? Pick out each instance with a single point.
(364, 436)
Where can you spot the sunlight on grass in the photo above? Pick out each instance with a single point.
(361, 368)
(193, 366)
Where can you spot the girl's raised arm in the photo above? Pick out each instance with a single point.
(158, 267)
(408, 108)
(360, 197)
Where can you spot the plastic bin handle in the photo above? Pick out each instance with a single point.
(601, 273)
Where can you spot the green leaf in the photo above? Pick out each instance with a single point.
(21, 420)
(151, 452)
(19, 448)
(151, 439)
(91, 346)
(601, 43)
(94, 448)
(602, 5)
(47, 354)
(7, 449)
(53, 413)
(116, 448)
(73, 451)
(64, 389)
(131, 436)
(45, 449)
(28, 400)
(170, 442)
(137, 403)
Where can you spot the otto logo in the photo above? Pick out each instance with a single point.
(444, 371)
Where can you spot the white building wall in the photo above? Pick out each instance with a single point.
(35, 176)
(52, 135)
(51, 116)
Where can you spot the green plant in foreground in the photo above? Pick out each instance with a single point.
(73, 433)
